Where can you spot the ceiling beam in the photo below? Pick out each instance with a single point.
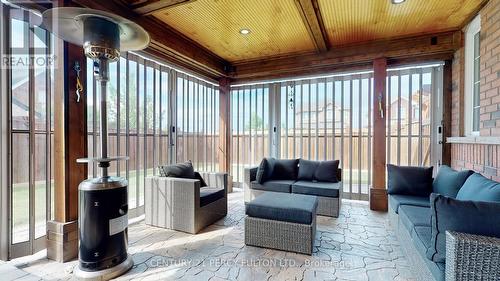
(311, 16)
(167, 43)
(152, 6)
(418, 48)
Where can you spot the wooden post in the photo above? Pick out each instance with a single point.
(224, 127)
(378, 193)
(70, 143)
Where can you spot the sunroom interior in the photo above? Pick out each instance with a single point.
(389, 91)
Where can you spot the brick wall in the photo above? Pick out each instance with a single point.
(480, 157)
(490, 69)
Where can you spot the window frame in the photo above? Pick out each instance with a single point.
(473, 28)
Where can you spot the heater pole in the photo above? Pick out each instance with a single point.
(101, 74)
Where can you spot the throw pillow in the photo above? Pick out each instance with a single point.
(326, 171)
(265, 170)
(179, 170)
(448, 181)
(285, 169)
(307, 169)
(409, 180)
(449, 214)
(479, 188)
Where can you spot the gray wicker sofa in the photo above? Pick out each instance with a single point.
(468, 207)
(329, 193)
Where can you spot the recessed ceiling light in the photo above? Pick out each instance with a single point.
(245, 31)
(397, 1)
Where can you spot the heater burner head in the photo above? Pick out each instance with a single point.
(103, 35)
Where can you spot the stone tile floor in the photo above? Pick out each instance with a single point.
(359, 245)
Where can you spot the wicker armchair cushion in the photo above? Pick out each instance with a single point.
(400, 200)
(296, 208)
(409, 180)
(265, 170)
(324, 189)
(448, 181)
(210, 194)
(179, 170)
(412, 216)
(471, 217)
(479, 188)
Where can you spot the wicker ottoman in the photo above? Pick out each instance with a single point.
(282, 221)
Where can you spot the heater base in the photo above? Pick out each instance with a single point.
(105, 274)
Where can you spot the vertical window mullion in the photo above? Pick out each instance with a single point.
(420, 125)
(399, 118)
(409, 113)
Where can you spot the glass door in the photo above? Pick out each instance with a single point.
(31, 133)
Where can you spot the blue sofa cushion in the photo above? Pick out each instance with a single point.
(179, 170)
(479, 188)
(307, 169)
(274, 185)
(324, 189)
(449, 214)
(421, 236)
(296, 208)
(398, 200)
(409, 180)
(448, 181)
(210, 194)
(412, 216)
(327, 171)
(285, 169)
(265, 170)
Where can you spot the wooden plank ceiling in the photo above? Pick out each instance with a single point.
(294, 37)
(288, 27)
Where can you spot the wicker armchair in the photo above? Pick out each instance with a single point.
(174, 203)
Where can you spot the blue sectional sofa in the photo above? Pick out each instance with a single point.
(449, 227)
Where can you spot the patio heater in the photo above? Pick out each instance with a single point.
(103, 201)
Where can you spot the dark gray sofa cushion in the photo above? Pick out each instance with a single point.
(265, 170)
(210, 194)
(421, 236)
(324, 189)
(327, 171)
(285, 169)
(287, 207)
(473, 217)
(200, 178)
(323, 171)
(448, 181)
(307, 169)
(409, 180)
(274, 185)
(411, 216)
(479, 188)
(179, 170)
(398, 200)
